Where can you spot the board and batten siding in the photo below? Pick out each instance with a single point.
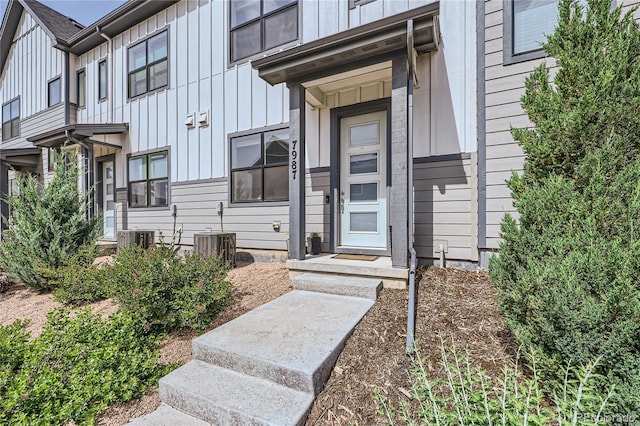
(31, 63)
(235, 98)
(446, 208)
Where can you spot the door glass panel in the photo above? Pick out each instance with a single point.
(364, 222)
(109, 222)
(281, 28)
(110, 206)
(109, 189)
(109, 173)
(363, 192)
(364, 134)
(363, 163)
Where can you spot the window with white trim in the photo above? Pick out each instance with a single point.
(259, 25)
(149, 180)
(259, 167)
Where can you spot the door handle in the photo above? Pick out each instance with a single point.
(341, 202)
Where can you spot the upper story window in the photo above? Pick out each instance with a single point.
(103, 82)
(259, 169)
(148, 65)
(82, 88)
(149, 180)
(11, 119)
(258, 25)
(54, 92)
(526, 24)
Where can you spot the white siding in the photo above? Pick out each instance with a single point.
(31, 63)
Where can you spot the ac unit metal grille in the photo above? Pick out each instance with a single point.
(129, 238)
(216, 244)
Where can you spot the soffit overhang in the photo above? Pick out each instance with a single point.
(84, 133)
(354, 48)
(20, 157)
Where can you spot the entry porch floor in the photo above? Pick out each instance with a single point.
(380, 268)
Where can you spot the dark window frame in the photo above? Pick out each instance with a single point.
(53, 80)
(11, 119)
(354, 3)
(148, 181)
(148, 65)
(261, 18)
(81, 74)
(51, 159)
(262, 167)
(103, 91)
(508, 56)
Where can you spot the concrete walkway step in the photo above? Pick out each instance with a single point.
(293, 340)
(223, 397)
(345, 285)
(167, 416)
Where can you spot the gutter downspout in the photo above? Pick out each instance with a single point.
(67, 90)
(110, 77)
(411, 314)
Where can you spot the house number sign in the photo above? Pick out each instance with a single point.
(294, 159)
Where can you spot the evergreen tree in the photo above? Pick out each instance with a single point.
(47, 225)
(568, 272)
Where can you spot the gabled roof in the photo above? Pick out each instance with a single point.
(62, 27)
(67, 34)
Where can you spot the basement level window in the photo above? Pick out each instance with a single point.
(149, 180)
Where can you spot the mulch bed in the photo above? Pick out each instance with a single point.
(455, 306)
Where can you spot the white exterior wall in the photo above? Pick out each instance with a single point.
(31, 63)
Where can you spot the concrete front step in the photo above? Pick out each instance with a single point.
(167, 416)
(224, 397)
(293, 341)
(367, 288)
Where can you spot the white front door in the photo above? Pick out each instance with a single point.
(363, 181)
(108, 202)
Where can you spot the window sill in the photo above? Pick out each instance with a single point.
(147, 209)
(151, 92)
(510, 59)
(289, 45)
(259, 204)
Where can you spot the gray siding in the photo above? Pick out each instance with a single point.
(253, 225)
(446, 209)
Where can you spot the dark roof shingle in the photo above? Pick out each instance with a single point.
(60, 25)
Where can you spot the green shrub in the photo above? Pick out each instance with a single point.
(169, 291)
(78, 281)
(467, 396)
(47, 225)
(79, 365)
(567, 271)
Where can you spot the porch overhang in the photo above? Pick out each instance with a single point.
(21, 157)
(354, 48)
(105, 134)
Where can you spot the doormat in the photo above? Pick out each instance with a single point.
(368, 257)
